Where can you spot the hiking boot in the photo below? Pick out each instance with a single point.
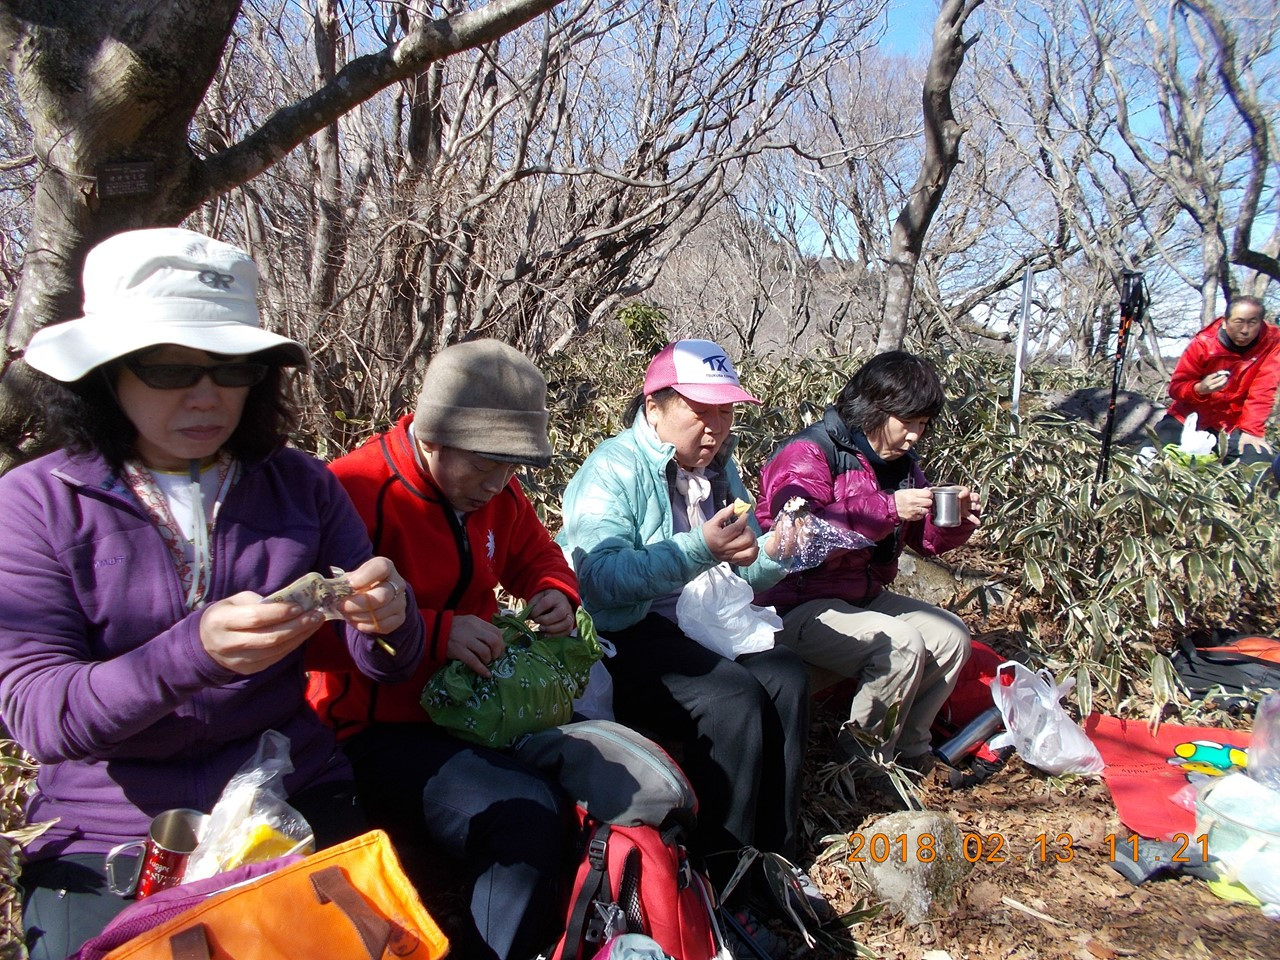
(922, 764)
(805, 897)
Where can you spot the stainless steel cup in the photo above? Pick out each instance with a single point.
(946, 506)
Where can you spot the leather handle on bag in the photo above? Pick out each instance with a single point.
(332, 886)
(190, 944)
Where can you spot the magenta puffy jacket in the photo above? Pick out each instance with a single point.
(851, 499)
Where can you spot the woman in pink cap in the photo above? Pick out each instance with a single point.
(649, 511)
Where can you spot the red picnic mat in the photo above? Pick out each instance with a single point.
(1145, 773)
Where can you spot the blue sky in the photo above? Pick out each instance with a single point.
(911, 26)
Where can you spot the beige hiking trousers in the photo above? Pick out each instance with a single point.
(896, 647)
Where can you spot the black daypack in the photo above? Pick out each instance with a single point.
(1227, 666)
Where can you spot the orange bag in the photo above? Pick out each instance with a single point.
(350, 901)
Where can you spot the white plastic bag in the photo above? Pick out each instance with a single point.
(596, 702)
(715, 609)
(1264, 743)
(1194, 441)
(252, 819)
(1041, 731)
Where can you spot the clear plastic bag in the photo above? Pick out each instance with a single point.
(252, 820)
(715, 609)
(805, 541)
(1264, 743)
(1039, 728)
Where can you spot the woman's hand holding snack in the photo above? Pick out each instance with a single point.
(244, 635)
(553, 612)
(475, 642)
(378, 603)
(730, 538)
(790, 534)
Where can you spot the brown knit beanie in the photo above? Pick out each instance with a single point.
(487, 398)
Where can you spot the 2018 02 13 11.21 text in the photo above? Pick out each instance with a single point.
(996, 848)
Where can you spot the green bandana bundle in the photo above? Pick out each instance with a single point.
(532, 686)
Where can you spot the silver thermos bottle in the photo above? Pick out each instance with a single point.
(969, 736)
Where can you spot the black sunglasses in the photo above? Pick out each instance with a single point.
(181, 376)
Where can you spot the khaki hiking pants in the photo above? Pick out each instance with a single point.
(896, 647)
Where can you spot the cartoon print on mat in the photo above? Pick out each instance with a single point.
(1208, 757)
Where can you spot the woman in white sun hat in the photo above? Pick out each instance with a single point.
(138, 663)
(649, 511)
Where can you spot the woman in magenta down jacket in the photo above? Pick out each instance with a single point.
(138, 663)
(856, 469)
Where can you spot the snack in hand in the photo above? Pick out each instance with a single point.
(311, 590)
(740, 507)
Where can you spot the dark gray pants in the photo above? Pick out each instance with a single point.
(490, 827)
(742, 725)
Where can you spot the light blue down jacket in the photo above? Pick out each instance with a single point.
(618, 531)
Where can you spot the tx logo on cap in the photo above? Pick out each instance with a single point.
(717, 364)
(219, 281)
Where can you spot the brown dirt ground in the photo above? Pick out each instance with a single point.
(1027, 909)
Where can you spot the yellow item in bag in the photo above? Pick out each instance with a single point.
(263, 842)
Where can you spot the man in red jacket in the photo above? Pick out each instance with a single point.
(1228, 376)
(439, 495)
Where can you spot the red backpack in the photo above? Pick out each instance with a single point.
(635, 806)
(637, 880)
(970, 699)
(972, 693)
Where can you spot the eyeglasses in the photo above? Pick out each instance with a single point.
(181, 376)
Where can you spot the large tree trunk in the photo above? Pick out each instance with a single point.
(102, 84)
(117, 82)
(941, 154)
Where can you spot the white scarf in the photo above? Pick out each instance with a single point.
(694, 486)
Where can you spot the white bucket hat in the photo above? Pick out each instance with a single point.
(144, 288)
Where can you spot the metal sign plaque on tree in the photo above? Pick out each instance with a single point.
(131, 179)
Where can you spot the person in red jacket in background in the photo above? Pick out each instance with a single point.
(439, 495)
(1228, 375)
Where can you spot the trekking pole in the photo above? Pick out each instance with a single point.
(1133, 305)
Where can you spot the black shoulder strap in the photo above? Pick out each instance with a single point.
(819, 435)
(595, 886)
(839, 460)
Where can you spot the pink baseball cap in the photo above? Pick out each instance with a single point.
(699, 370)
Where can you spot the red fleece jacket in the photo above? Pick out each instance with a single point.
(453, 564)
(1246, 401)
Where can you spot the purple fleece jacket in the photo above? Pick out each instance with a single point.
(102, 675)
